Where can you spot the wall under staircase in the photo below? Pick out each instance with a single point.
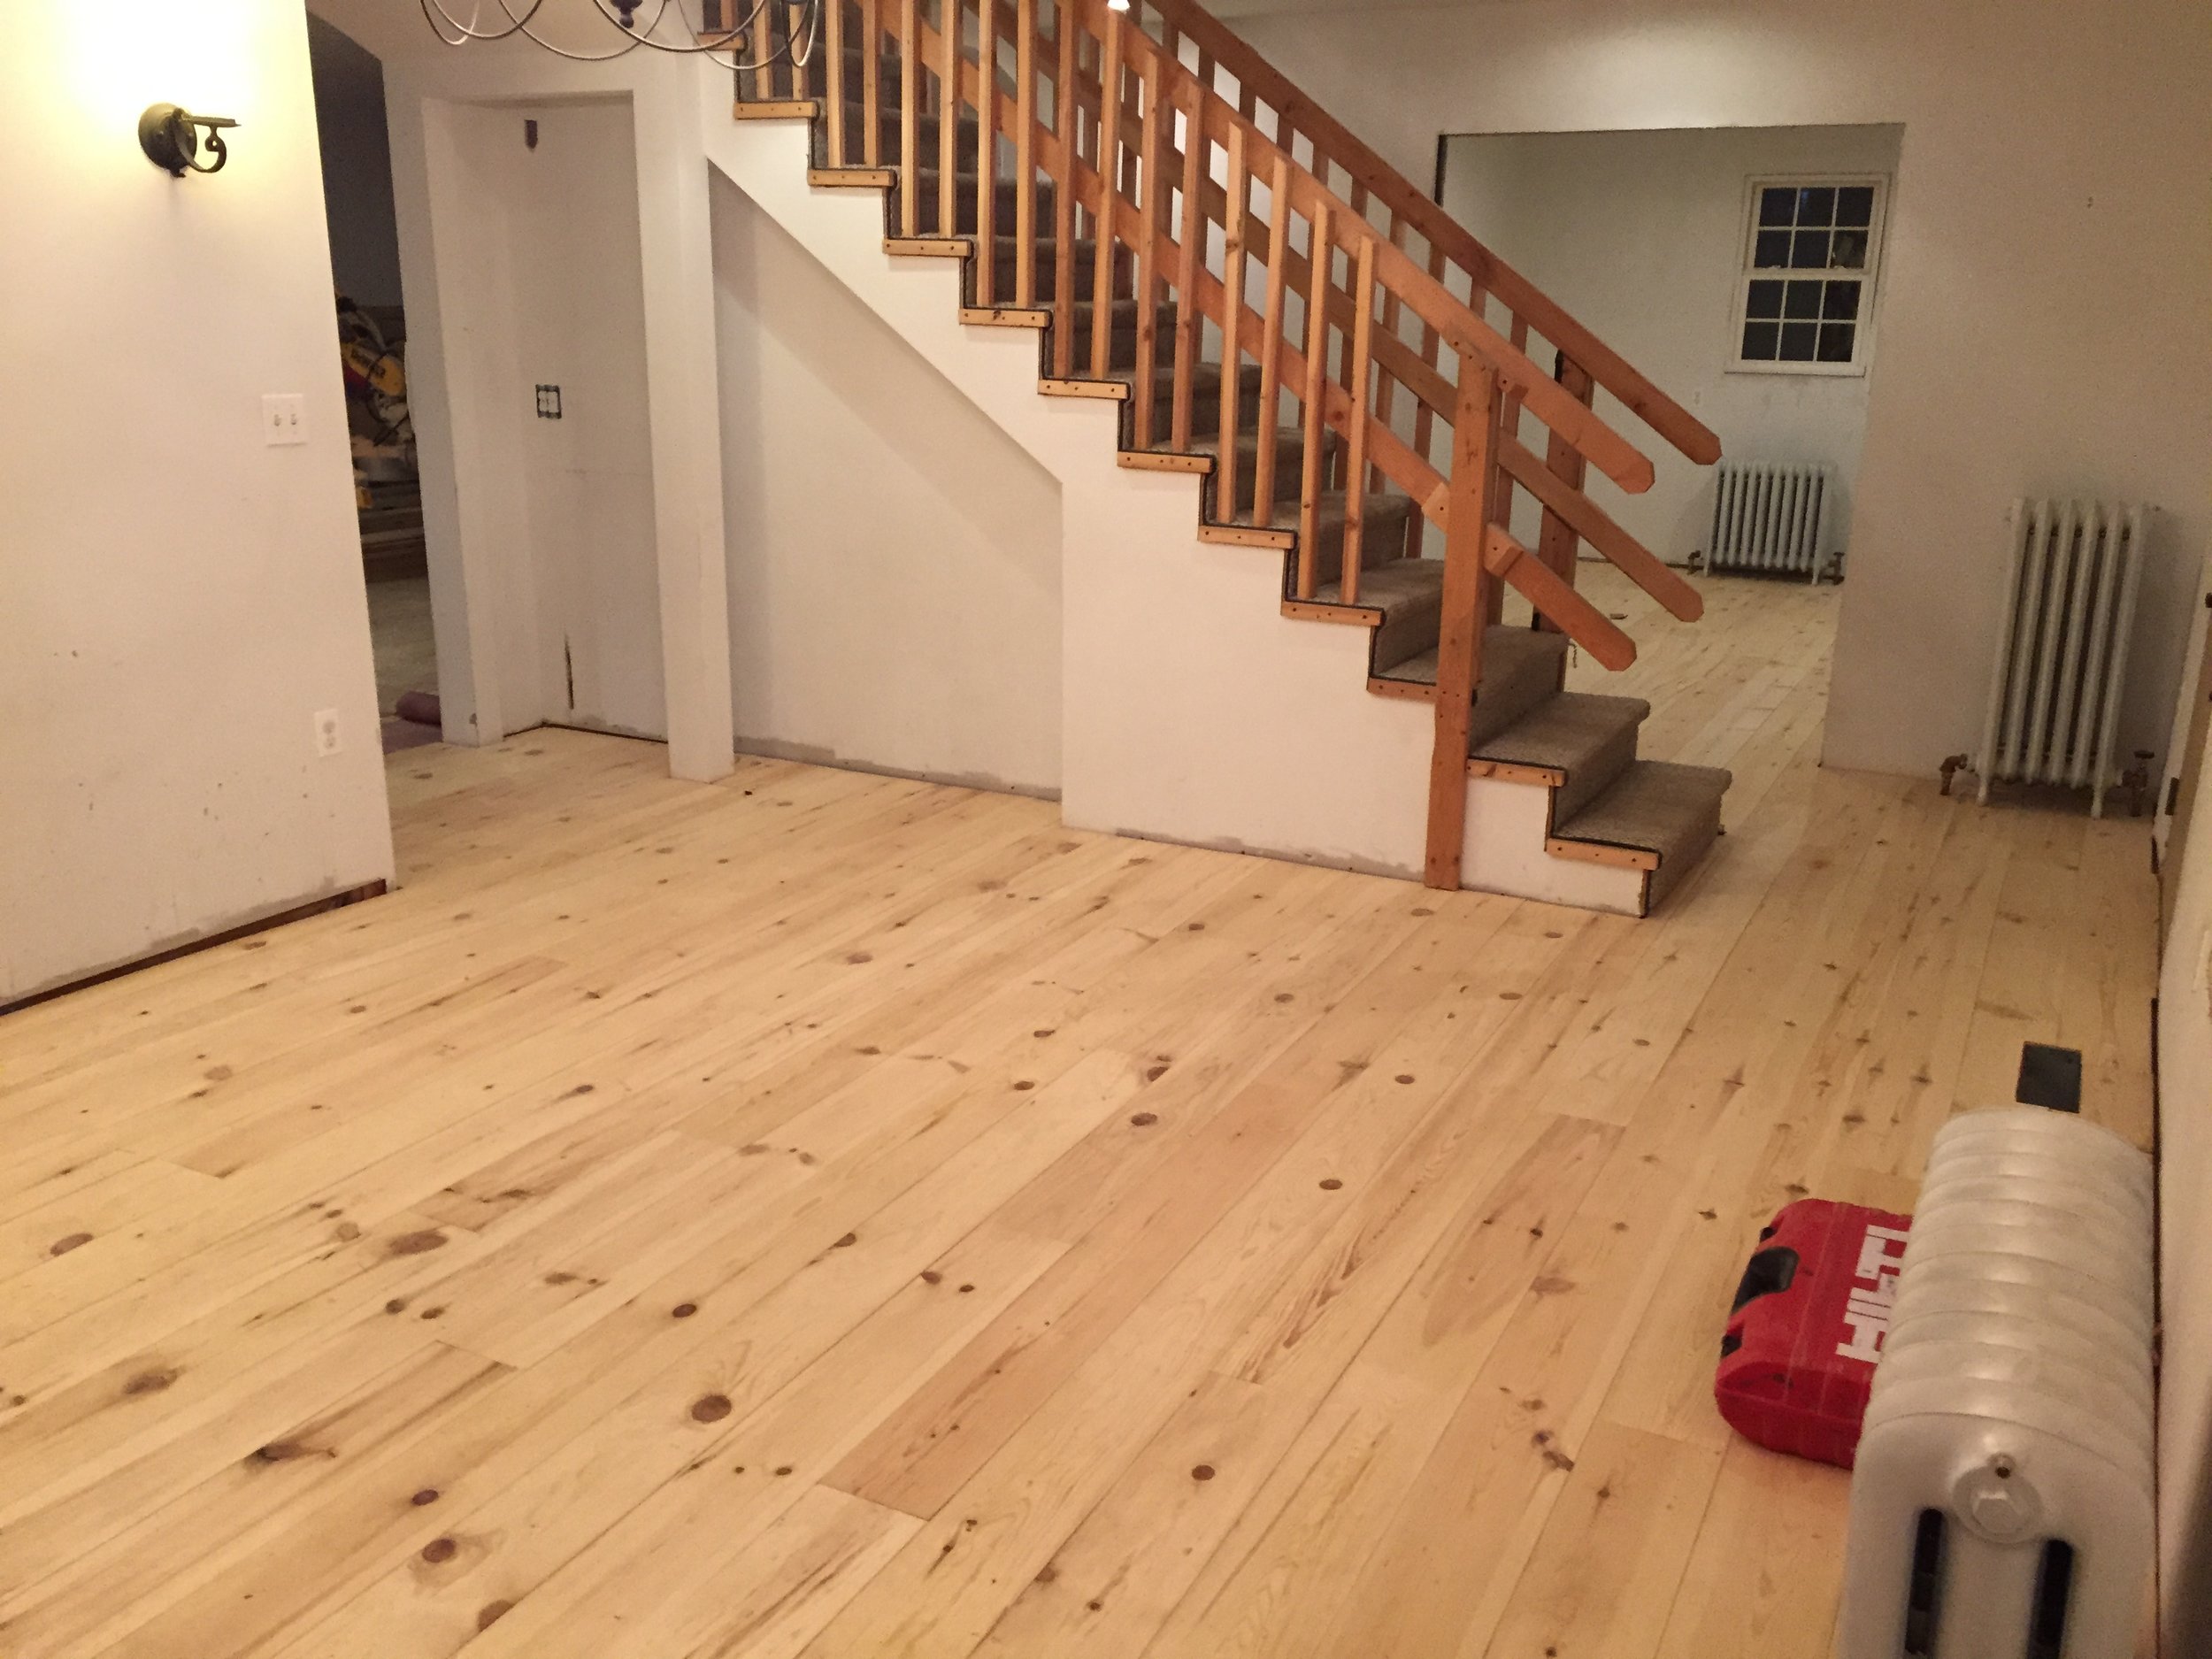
(1190, 710)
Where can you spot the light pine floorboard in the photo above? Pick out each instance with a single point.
(823, 1215)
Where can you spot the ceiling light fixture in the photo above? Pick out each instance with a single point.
(167, 135)
(664, 27)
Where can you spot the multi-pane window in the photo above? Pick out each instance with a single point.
(1810, 250)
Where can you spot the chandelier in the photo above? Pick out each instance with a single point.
(661, 25)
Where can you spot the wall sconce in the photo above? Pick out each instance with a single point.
(166, 133)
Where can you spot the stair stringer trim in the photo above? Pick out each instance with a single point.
(1507, 824)
(1192, 709)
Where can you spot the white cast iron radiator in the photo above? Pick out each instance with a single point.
(2062, 660)
(1767, 521)
(2001, 1505)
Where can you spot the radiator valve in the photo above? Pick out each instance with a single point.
(1951, 765)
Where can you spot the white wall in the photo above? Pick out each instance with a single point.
(1640, 235)
(2048, 313)
(547, 267)
(894, 557)
(357, 155)
(177, 599)
(455, 118)
(1191, 708)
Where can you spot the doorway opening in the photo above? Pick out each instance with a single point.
(371, 324)
(1740, 269)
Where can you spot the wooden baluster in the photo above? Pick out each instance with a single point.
(986, 150)
(1386, 383)
(1319, 257)
(1423, 417)
(1148, 250)
(1467, 584)
(948, 122)
(833, 52)
(871, 87)
(1356, 451)
(909, 117)
(1063, 194)
(1103, 228)
(1231, 319)
(1501, 486)
(1556, 545)
(1025, 152)
(1268, 425)
(1190, 252)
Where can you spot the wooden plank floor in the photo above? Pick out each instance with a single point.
(824, 1214)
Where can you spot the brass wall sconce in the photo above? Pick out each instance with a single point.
(171, 141)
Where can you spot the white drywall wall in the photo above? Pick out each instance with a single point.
(1640, 235)
(894, 557)
(552, 273)
(2047, 308)
(357, 155)
(1192, 709)
(178, 600)
(448, 111)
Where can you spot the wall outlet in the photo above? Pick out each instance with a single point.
(328, 741)
(283, 418)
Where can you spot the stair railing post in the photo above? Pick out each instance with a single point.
(1468, 586)
(1024, 148)
(1225, 480)
(1190, 253)
(1149, 202)
(1064, 191)
(985, 151)
(1102, 229)
(1320, 254)
(1267, 425)
(1557, 543)
(949, 119)
(871, 85)
(910, 118)
(834, 60)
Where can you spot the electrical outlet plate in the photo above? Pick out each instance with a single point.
(328, 740)
(283, 418)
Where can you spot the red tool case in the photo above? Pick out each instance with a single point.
(1798, 1361)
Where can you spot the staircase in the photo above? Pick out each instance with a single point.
(1344, 371)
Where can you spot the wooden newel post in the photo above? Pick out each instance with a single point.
(1467, 601)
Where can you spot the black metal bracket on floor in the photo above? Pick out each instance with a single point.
(2049, 1076)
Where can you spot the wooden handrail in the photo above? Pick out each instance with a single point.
(1230, 51)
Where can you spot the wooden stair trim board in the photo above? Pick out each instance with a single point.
(1006, 317)
(1514, 772)
(1165, 461)
(1350, 616)
(1601, 852)
(852, 178)
(930, 247)
(1248, 535)
(1406, 690)
(1104, 391)
(777, 109)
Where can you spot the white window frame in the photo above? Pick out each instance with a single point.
(1747, 273)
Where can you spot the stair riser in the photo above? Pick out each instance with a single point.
(1676, 868)
(1506, 698)
(1595, 776)
(967, 216)
(1406, 632)
(1205, 410)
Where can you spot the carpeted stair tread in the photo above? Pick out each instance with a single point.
(1390, 584)
(1522, 668)
(1659, 807)
(1505, 653)
(1564, 733)
(1590, 739)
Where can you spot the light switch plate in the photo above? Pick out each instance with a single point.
(284, 417)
